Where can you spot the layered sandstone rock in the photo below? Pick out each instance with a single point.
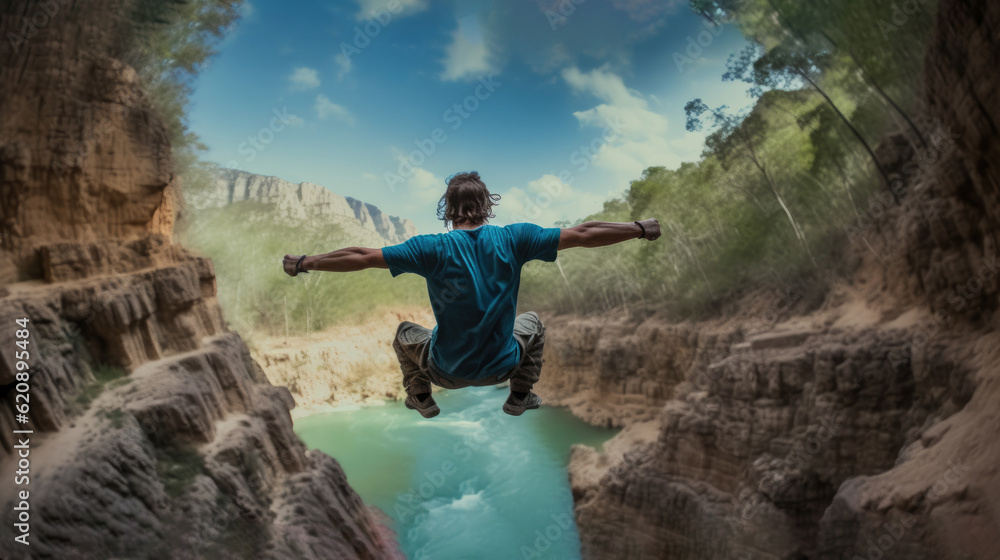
(752, 448)
(342, 365)
(83, 156)
(155, 435)
(608, 373)
(865, 429)
(939, 498)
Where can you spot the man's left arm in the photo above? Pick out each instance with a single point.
(349, 259)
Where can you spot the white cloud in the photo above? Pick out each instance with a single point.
(639, 139)
(368, 9)
(547, 200)
(689, 146)
(620, 103)
(344, 62)
(304, 78)
(419, 190)
(422, 186)
(326, 108)
(469, 54)
(425, 186)
(293, 120)
(247, 10)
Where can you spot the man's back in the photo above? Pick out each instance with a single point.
(473, 277)
(472, 274)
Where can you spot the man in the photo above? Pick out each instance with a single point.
(473, 272)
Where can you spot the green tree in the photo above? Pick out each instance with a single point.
(786, 66)
(738, 135)
(170, 43)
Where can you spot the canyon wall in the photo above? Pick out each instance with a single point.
(861, 428)
(154, 434)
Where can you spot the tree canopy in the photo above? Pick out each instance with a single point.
(777, 186)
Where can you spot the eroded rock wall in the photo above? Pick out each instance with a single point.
(155, 435)
(866, 428)
(83, 156)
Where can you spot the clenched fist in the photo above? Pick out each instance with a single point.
(652, 227)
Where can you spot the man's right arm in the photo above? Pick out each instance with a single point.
(599, 234)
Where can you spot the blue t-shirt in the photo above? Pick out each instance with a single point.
(472, 280)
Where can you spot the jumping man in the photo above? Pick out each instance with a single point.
(473, 272)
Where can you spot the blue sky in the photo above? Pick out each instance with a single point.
(557, 103)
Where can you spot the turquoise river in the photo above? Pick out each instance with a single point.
(471, 483)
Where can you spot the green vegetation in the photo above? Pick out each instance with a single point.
(168, 45)
(247, 245)
(116, 416)
(767, 204)
(177, 467)
(104, 376)
(777, 186)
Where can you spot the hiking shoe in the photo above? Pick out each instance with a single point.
(428, 408)
(516, 407)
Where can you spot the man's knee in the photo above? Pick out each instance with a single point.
(402, 327)
(398, 340)
(407, 332)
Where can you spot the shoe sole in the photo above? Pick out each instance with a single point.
(518, 410)
(425, 412)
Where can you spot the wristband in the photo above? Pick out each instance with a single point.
(298, 266)
(643, 228)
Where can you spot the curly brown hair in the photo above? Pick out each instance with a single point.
(466, 200)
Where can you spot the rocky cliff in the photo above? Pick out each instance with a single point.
(863, 427)
(306, 203)
(154, 434)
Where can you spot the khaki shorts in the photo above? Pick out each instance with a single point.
(413, 344)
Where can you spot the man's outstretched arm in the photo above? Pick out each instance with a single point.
(349, 259)
(599, 234)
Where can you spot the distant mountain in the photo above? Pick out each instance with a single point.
(306, 204)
